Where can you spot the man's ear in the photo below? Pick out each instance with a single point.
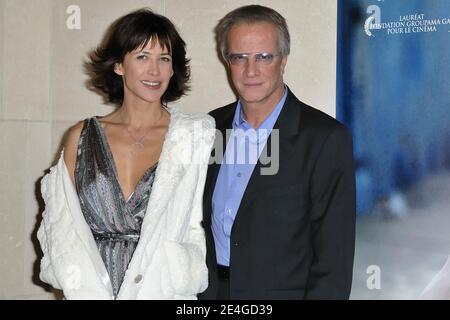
(118, 69)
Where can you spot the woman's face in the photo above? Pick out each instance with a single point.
(146, 73)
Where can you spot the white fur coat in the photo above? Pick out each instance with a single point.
(169, 261)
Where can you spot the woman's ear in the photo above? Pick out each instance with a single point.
(118, 69)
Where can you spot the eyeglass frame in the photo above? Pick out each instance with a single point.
(257, 57)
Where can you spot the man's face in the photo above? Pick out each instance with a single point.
(259, 82)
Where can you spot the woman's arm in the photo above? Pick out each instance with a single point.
(70, 145)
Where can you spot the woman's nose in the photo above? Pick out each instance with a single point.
(153, 68)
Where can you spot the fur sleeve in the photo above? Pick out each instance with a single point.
(66, 264)
(186, 257)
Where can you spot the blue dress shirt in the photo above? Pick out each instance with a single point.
(242, 153)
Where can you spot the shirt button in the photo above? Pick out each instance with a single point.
(239, 175)
(138, 278)
(236, 244)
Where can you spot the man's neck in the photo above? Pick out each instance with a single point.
(255, 113)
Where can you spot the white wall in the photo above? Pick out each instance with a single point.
(42, 93)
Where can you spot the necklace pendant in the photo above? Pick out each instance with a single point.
(138, 144)
(137, 148)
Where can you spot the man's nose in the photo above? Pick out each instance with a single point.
(251, 68)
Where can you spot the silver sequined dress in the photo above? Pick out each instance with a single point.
(115, 222)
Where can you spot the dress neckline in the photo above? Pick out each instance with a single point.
(112, 161)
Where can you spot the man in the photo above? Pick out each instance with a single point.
(289, 233)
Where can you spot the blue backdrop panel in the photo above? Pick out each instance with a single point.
(393, 91)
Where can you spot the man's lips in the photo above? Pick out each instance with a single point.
(252, 84)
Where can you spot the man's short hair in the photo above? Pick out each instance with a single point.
(253, 14)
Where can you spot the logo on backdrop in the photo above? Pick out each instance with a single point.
(408, 23)
(373, 21)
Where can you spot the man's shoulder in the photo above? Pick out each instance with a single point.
(319, 117)
(309, 115)
(225, 110)
(316, 119)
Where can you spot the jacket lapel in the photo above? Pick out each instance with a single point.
(288, 126)
(81, 227)
(223, 123)
(167, 176)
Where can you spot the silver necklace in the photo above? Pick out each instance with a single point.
(137, 142)
(138, 146)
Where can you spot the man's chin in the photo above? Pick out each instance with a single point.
(251, 101)
(252, 98)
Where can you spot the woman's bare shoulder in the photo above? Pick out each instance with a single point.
(71, 145)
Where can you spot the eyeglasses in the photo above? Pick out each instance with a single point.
(241, 59)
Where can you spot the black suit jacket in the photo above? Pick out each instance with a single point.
(294, 232)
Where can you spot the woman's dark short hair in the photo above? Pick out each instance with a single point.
(127, 34)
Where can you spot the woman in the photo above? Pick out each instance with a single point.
(123, 204)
